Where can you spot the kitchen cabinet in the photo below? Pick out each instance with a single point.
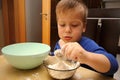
(93, 3)
(110, 3)
(104, 27)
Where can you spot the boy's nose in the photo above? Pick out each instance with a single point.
(68, 29)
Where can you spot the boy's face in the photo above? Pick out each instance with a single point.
(70, 26)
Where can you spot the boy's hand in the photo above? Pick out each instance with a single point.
(74, 51)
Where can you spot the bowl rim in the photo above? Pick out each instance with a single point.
(4, 53)
(58, 69)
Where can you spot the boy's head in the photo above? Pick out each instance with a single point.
(66, 6)
(71, 19)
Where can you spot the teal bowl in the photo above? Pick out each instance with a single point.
(26, 55)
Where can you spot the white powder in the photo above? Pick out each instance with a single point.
(61, 65)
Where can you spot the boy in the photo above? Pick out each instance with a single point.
(71, 19)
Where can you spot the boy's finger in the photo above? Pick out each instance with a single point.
(63, 48)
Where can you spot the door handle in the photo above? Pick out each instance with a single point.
(44, 14)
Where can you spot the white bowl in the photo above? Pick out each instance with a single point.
(26, 55)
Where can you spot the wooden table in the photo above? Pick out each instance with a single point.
(7, 72)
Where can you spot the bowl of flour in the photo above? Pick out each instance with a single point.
(60, 69)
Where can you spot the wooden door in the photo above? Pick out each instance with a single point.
(46, 15)
(20, 21)
(14, 21)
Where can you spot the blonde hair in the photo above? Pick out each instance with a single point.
(65, 5)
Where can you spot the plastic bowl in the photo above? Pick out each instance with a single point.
(26, 55)
(51, 61)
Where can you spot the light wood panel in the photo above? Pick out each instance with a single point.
(46, 12)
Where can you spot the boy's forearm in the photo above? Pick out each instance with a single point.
(99, 62)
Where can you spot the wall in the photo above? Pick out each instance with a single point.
(33, 20)
(1, 27)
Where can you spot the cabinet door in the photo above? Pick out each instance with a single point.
(109, 37)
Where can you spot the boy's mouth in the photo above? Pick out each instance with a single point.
(67, 38)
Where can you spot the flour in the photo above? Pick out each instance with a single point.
(61, 65)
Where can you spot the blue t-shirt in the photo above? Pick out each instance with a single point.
(92, 46)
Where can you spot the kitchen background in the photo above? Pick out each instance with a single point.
(34, 22)
(33, 18)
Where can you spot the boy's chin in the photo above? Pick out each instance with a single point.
(66, 41)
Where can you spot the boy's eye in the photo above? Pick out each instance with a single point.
(74, 25)
(62, 25)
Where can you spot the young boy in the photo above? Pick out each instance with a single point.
(71, 19)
